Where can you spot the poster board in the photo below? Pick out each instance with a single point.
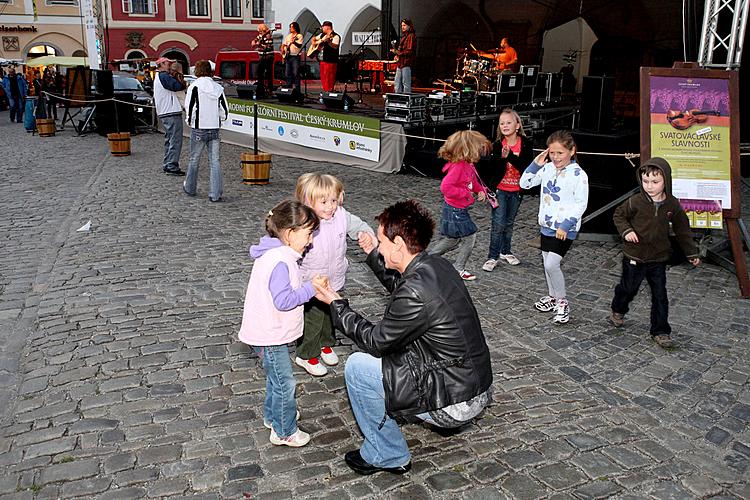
(690, 117)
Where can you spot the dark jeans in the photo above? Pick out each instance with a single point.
(265, 73)
(632, 277)
(292, 71)
(318, 332)
(16, 108)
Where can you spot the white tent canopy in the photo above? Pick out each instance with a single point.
(57, 61)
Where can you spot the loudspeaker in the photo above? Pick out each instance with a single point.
(78, 85)
(289, 94)
(597, 103)
(103, 82)
(337, 100)
(251, 91)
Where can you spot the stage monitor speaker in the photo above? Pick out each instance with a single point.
(251, 91)
(510, 82)
(597, 103)
(530, 75)
(337, 100)
(289, 94)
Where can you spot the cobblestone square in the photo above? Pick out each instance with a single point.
(122, 376)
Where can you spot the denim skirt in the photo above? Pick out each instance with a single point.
(456, 222)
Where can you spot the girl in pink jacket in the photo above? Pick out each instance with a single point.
(461, 150)
(273, 312)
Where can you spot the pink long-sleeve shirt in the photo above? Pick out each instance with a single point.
(459, 182)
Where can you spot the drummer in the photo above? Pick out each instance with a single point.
(505, 56)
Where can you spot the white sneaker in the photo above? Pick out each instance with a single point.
(467, 276)
(312, 366)
(328, 356)
(299, 438)
(511, 259)
(545, 304)
(268, 425)
(490, 265)
(562, 312)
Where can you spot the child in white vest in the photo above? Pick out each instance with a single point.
(327, 257)
(273, 312)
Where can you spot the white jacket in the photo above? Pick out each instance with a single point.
(205, 104)
(166, 100)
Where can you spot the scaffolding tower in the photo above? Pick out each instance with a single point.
(724, 23)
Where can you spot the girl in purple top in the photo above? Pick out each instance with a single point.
(273, 311)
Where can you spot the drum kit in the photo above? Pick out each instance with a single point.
(477, 69)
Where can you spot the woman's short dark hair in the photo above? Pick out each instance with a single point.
(411, 221)
(203, 68)
(295, 25)
(290, 214)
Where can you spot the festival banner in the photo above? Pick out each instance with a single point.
(346, 134)
(690, 128)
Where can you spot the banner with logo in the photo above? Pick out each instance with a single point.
(346, 134)
(366, 38)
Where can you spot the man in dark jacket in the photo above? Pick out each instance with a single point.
(16, 88)
(645, 221)
(427, 359)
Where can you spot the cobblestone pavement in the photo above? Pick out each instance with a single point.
(123, 378)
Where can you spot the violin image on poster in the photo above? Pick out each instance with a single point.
(683, 120)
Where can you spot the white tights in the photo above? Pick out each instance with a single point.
(554, 275)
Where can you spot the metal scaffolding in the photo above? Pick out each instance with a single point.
(724, 23)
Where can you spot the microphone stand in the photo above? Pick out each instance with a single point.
(303, 51)
(354, 55)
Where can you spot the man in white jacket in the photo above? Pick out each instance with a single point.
(206, 108)
(169, 111)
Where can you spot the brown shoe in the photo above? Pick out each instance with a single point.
(664, 341)
(617, 319)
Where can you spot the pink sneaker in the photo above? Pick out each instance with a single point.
(299, 438)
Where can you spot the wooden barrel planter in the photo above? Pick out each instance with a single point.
(45, 127)
(119, 143)
(256, 168)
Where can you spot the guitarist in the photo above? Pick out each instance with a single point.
(328, 43)
(406, 54)
(263, 43)
(290, 50)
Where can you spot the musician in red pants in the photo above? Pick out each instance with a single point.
(328, 44)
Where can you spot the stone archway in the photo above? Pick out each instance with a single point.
(179, 56)
(365, 21)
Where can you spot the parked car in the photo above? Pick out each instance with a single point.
(125, 83)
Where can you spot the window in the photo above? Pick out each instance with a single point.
(140, 6)
(232, 8)
(198, 7)
(258, 9)
(232, 70)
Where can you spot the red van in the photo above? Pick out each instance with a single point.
(241, 66)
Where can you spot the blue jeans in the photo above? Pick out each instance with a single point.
(403, 80)
(200, 139)
(503, 218)
(383, 446)
(280, 408)
(172, 141)
(292, 71)
(16, 108)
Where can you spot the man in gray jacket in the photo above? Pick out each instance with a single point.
(169, 111)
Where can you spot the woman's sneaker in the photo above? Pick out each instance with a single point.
(328, 356)
(299, 438)
(312, 366)
(467, 276)
(511, 259)
(562, 312)
(268, 424)
(490, 265)
(545, 304)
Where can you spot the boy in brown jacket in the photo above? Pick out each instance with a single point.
(645, 221)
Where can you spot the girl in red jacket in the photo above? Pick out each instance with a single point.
(461, 150)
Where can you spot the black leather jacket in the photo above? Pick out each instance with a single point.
(430, 340)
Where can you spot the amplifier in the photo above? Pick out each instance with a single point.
(405, 100)
(530, 74)
(508, 98)
(407, 115)
(548, 87)
(527, 94)
(509, 82)
(442, 99)
(488, 101)
(450, 111)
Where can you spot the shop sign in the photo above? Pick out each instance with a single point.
(17, 28)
